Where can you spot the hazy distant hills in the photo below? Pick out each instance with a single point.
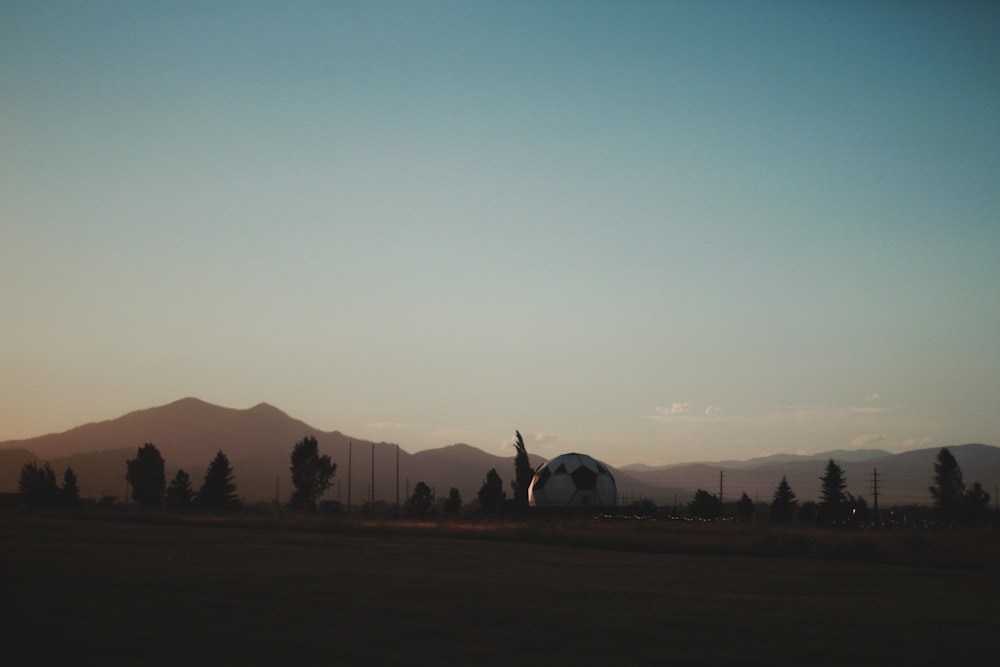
(259, 440)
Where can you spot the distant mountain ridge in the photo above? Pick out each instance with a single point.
(259, 440)
(836, 454)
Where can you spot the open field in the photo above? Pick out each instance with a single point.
(95, 591)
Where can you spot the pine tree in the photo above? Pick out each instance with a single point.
(218, 490)
(311, 474)
(783, 503)
(745, 507)
(832, 497)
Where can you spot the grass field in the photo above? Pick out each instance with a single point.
(89, 590)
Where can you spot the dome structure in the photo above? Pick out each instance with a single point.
(572, 480)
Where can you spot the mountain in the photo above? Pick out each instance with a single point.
(902, 478)
(259, 441)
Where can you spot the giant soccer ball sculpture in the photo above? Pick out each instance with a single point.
(572, 481)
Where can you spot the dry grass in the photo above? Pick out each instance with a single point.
(279, 590)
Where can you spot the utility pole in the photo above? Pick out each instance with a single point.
(397, 478)
(373, 478)
(350, 451)
(720, 489)
(875, 492)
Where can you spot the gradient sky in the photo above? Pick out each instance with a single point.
(653, 232)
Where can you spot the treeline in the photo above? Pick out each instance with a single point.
(953, 502)
(146, 476)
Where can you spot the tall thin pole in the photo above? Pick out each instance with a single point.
(350, 451)
(875, 493)
(397, 477)
(373, 478)
(720, 489)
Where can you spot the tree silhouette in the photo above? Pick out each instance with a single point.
(783, 503)
(218, 490)
(453, 503)
(832, 498)
(145, 474)
(491, 493)
(949, 489)
(705, 505)
(523, 474)
(311, 474)
(179, 493)
(70, 490)
(745, 507)
(977, 503)
(421, 501)
(37, 486)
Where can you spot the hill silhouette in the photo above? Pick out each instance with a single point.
(259, 441)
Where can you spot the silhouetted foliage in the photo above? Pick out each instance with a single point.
(949, 489)
(809, 511)
(491, 493)
(856, 509)
(977, 503)
(146, 475)
(453, 503)
(312, 474)
(705, 505)
(70, 490)
(523, 474)
(218, 490)
(745, 507)
(179, 493)
(421, 501)
(783, 504)
(643, 507)
(832, 506)
(37, 486)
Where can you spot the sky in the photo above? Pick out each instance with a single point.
(649, 231)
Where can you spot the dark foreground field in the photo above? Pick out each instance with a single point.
(95, 591)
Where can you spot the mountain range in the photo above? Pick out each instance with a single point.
(258, 442)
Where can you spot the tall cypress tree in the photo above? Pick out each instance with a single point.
(523, 473)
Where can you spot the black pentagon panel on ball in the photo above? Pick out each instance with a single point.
(584, 478)
(561, 470)
(541, 477)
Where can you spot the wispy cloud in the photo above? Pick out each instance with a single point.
(545, 437)
(866, 411)
(874, 396)
(711, 410)
(868, 438)
(674, 409)
(911, 443)
(386, 425)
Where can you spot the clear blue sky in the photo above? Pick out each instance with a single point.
(653, 232)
